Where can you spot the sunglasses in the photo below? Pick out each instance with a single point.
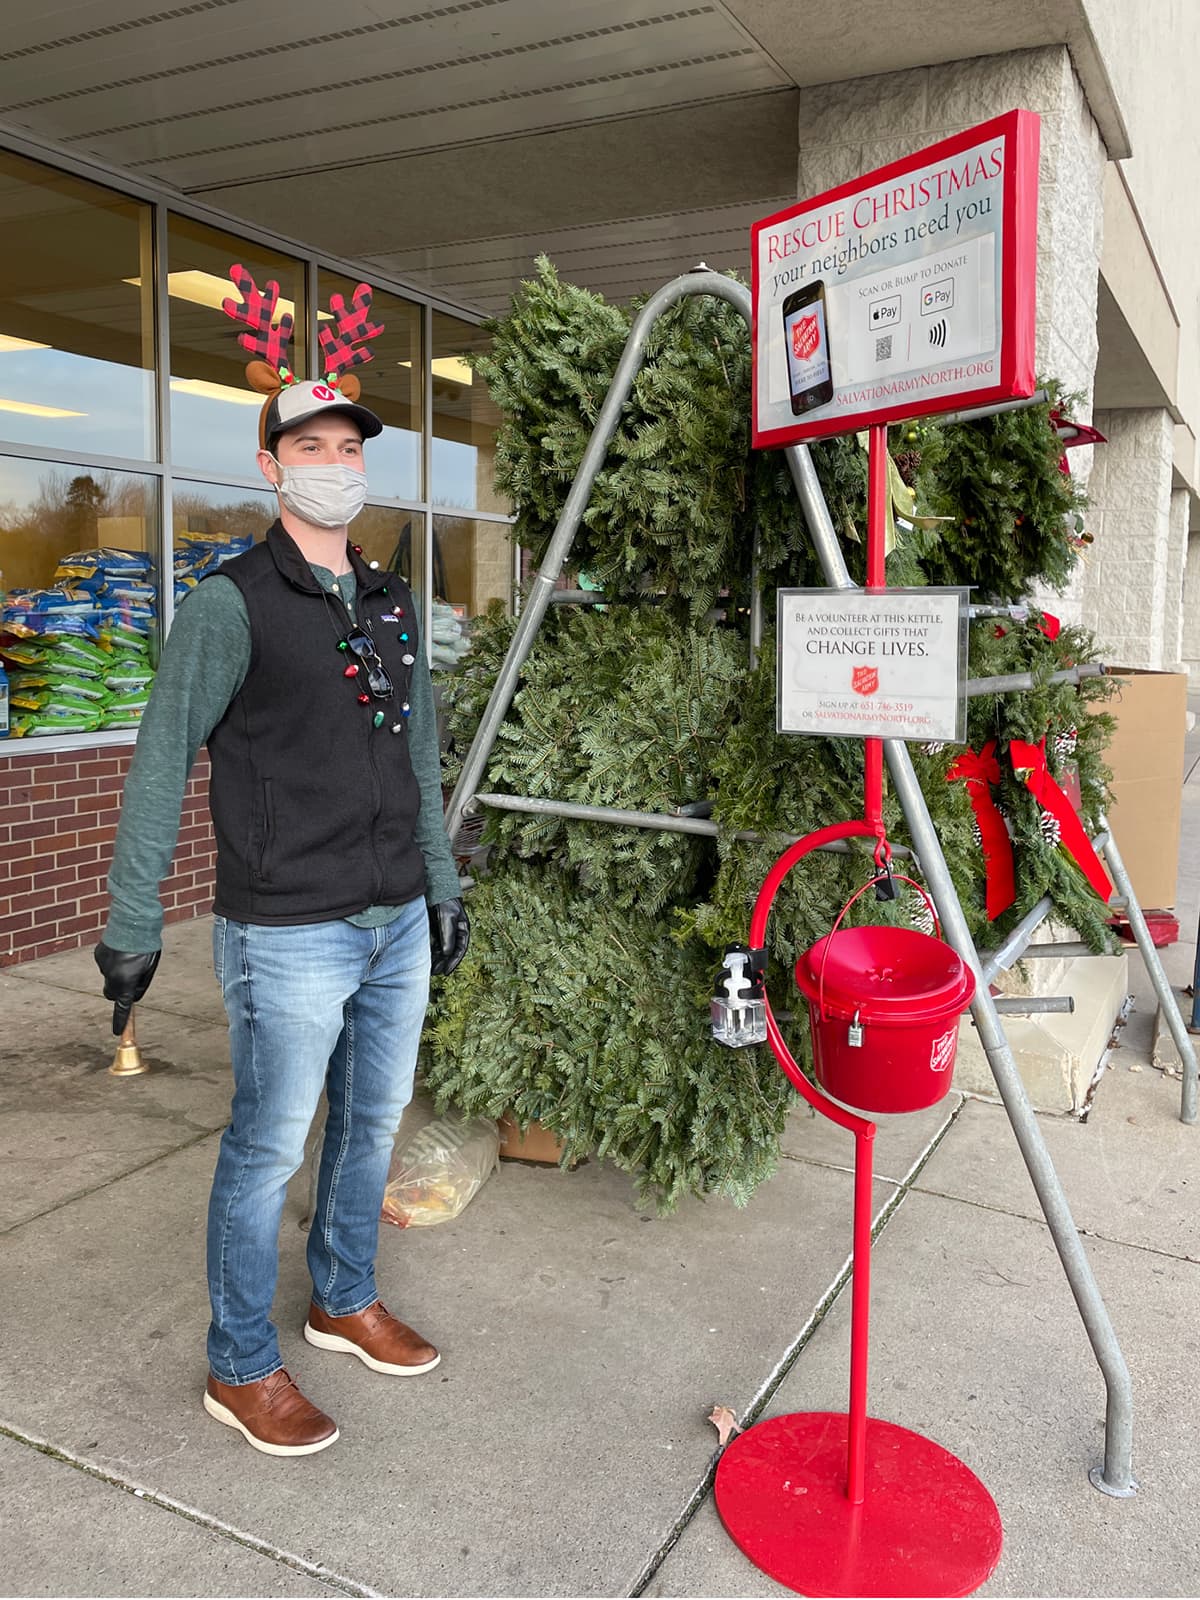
(378, 680)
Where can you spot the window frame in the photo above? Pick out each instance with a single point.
(165, 203)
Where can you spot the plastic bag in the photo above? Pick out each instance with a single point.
(77, 685)
(127, 676)
(36, 624)
(79, 655)
(27, 724)
(108, 560)
(438, 1169)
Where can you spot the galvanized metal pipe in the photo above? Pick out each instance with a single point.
(660, 822)
(1162, 988)
(1017, 947)
(756, 602)
(538, 599)
(1018, 1005)
(1038, 398)
(1116, 1476)
(1065, 950)
(1013, 682)
(1002, 957)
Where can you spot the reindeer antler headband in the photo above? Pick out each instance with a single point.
(343, 345)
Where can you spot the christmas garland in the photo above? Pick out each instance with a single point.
(583, 1002)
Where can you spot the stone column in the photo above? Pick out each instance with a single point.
(1177, 551)
(1131, 595)
(1190, 648)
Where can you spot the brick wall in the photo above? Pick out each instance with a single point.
(58, 821)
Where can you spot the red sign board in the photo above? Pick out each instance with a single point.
(903, 293)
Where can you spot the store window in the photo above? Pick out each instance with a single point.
(76, 315)
(472, 566)
(211, 523)
(79, 620)
(465, 420)
(393, 537)
(391, 385)
(214, 412)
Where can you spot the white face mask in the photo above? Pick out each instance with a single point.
(325, 497)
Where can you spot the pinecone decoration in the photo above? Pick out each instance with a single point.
(1065, 743)
(908, 464)
(1051, 829)
(976, 832)
(934, 747)
(919, 913)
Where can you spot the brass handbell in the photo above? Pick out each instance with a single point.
(127, 1062)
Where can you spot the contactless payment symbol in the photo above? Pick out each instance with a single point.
(865, 680)
(322, 391)
(806, 337)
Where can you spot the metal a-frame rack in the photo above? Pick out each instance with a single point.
(1115, 1476)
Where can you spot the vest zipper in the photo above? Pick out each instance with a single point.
(360, 610)
(371, 743)
(375, 898)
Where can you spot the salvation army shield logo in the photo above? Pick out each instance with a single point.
(806, 336)
(941, 1053)
(865, 680)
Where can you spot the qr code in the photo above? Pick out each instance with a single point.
(883, 348)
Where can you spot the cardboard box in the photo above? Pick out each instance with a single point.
(536, 1144)
(1146, 756)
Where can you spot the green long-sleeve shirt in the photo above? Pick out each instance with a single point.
(204, 664)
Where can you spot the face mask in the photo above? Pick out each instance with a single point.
(325, 497)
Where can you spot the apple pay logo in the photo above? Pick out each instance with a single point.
(884, 313)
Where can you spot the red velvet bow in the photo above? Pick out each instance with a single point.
(980, 770)
(1049, 625)
(1029, 764)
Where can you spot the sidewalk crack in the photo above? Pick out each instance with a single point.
(1040, 1222)
(202, 1519)
(771, 1385)
(86, 1194)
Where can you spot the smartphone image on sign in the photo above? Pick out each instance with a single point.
(806, 335)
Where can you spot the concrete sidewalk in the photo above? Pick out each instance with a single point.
(562, 1447)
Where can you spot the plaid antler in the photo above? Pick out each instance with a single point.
(344, 345)
(266, 337)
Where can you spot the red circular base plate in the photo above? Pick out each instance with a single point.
(927, 1526)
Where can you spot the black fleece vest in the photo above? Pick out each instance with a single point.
(313, 806)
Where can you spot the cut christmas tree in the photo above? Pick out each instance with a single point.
(583, 1001)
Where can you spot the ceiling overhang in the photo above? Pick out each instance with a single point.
(448, 142)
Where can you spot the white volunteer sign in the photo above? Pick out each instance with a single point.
(886, 665)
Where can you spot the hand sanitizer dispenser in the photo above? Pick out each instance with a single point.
(739, 1013)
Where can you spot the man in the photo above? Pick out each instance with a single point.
(304, 673)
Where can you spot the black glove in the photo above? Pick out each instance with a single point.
(126, 979)
(449, 936)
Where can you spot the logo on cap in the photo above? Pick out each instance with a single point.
(322, 391)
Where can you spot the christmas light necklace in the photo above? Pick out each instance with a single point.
(361, 642)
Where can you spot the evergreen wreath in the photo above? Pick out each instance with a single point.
(583, 1002)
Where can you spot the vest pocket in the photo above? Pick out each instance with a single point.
(266, 830)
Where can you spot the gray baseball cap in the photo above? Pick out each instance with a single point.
(297, 402)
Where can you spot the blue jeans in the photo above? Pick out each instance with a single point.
(322, 1006)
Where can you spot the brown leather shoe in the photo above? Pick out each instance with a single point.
(271, 1414)
(374, 1336)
